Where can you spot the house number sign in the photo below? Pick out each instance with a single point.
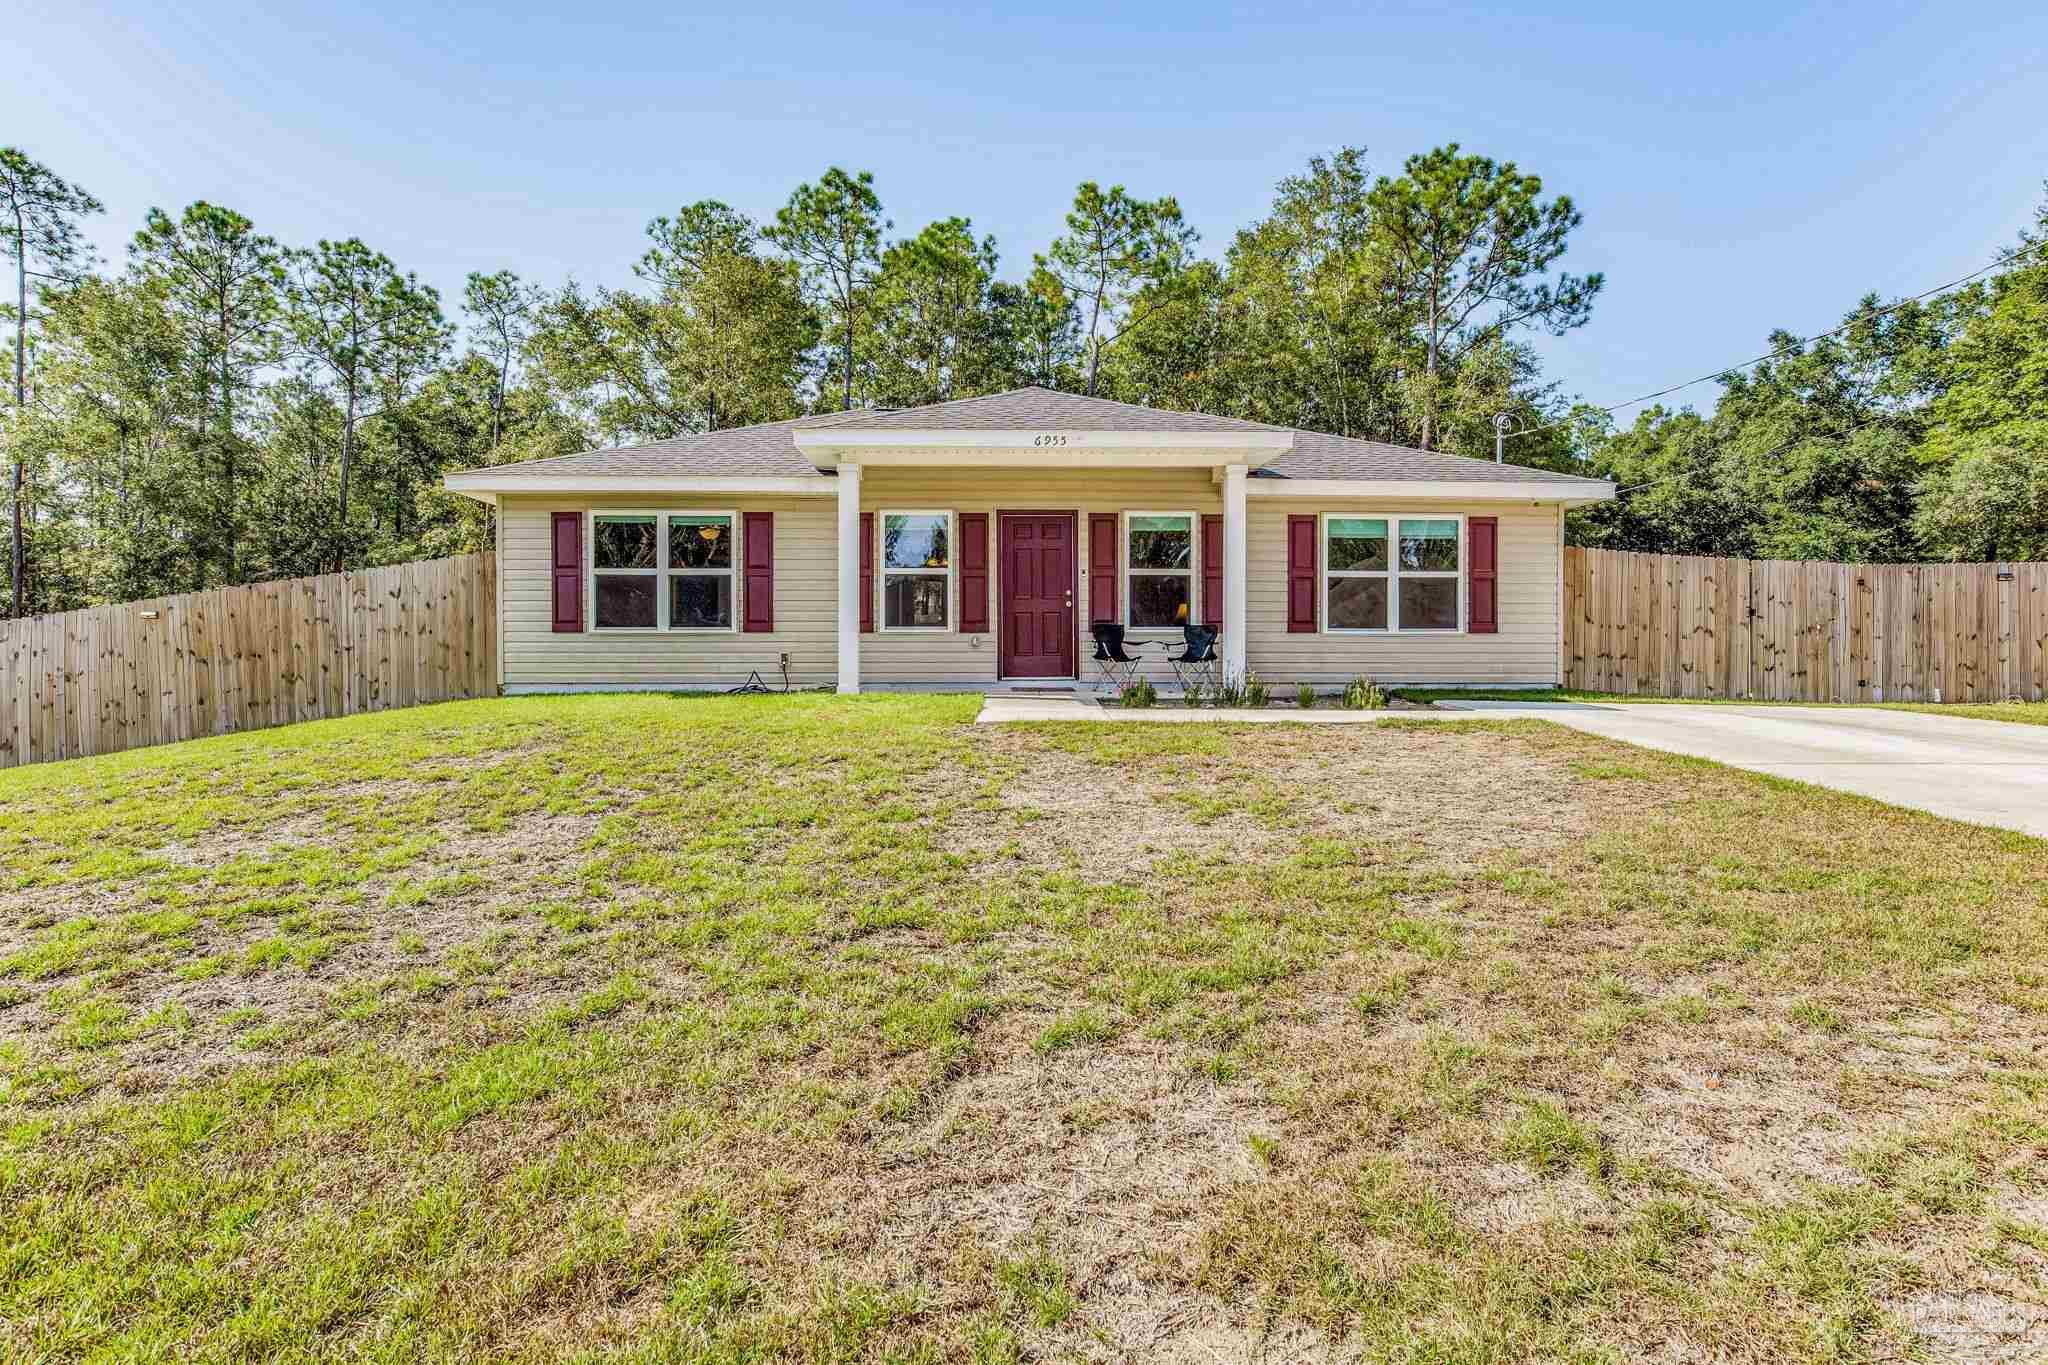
(1048, 439)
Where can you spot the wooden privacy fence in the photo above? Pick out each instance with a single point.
(1790, 630)
(206, 663)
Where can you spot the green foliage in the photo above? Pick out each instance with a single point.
(717, 338)
(1989, 499)
(833, 230)
(934, 323)
(1114, 244)
(1305, 696)
(1363, 694)
(1463, 245)
(1139, 692)
(224, 408)
(39, 213)
(1919, 431)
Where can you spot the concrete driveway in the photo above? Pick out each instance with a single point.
(1988, 772)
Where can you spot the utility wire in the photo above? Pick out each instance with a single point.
(2008, 259)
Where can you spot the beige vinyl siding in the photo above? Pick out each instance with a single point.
(888, 657)
(1524, 652)
(806, 604)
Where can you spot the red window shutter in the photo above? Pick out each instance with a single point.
(867, 572)
(973, 572)
(758, 543)
(1212, 571)
(568, 572)
(1482, 550)
(1301, 575)
(1102, 560)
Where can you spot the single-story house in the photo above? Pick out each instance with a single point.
(971, 544)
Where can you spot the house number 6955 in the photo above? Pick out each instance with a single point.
(1048, 440)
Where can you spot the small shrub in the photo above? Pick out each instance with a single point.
(1363, 694)
(1304, 696)
(1230, 692)
(1193, 696)
(1139, 693)
(1256, 693)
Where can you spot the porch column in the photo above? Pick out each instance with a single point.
(1234, 616)
(849, 578)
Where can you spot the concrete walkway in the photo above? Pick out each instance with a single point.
(1984, 771)
(998, 709)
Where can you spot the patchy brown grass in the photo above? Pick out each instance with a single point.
(799, 1029)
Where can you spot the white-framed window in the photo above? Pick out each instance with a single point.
(1159, 569)
(625, 570)
(700, 570)
(1389, 573)
(663, 570)
(916, 570)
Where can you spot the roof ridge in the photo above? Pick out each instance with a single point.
(922, 412)
(1146, 407)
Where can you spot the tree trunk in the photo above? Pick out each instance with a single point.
(227, 458)
(846, 405)
(20, 559)
(348, 450)
(1429, 399)
(498, 398)
(1094, 342)
(718, 354)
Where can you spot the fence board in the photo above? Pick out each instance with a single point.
(1786, 630)
(103, 679)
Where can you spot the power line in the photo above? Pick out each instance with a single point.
(2006, 260)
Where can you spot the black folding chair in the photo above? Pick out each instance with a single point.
(1117, 666)
(1198, 665)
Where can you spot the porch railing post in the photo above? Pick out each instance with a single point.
(849, 578)
(1234, 616)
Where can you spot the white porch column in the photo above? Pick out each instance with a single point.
(849, 578)
(1234, 614)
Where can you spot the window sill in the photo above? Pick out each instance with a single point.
(1408, 630)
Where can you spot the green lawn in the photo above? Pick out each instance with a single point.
(727, 1029)
(2023, 712)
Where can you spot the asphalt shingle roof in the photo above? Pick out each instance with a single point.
(769, 450)
(1039, 410)
(1318, 455)
(765, 451)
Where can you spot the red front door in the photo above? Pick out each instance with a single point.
(1036, 579)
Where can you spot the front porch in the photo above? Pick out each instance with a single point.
(992, 577)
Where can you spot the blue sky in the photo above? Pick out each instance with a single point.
(1740, 167)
